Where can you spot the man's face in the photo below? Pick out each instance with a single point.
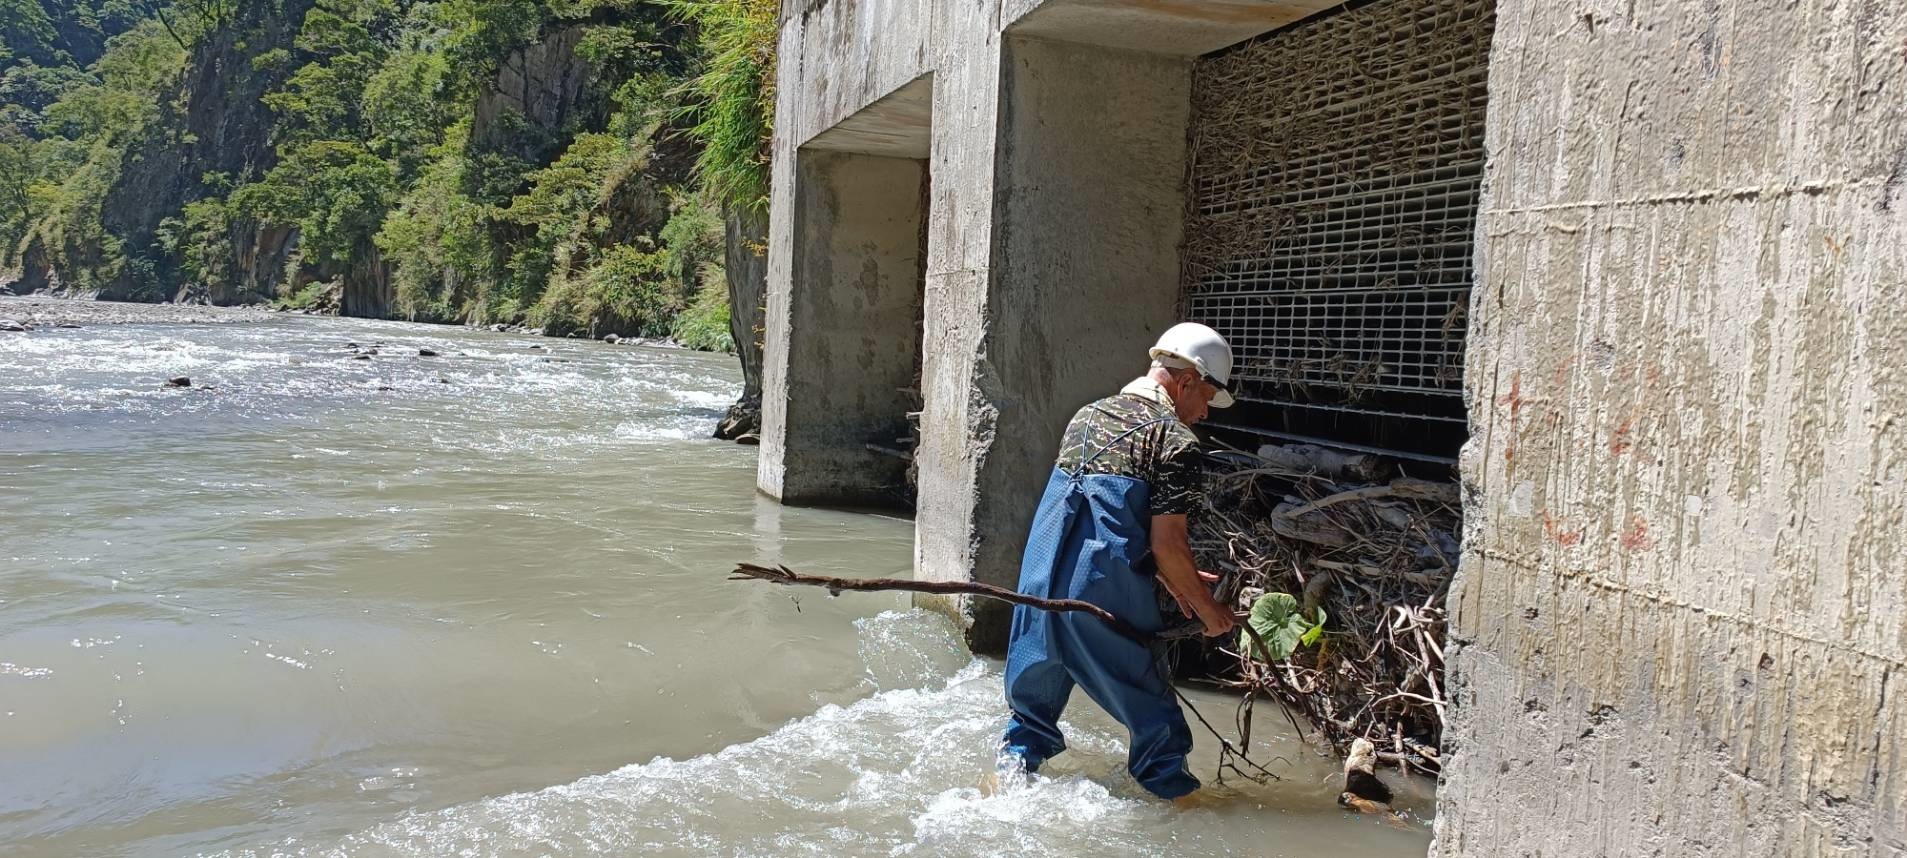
(1193, 399)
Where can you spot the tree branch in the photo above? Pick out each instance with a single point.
(784, 575)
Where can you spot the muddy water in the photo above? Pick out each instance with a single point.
(473, 604)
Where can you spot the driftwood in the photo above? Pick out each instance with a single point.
(1377, 557)
(1330, 464)
(1287, 521)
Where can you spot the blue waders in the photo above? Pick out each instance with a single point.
(1089, 534)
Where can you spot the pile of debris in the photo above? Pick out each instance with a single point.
(1370, 542)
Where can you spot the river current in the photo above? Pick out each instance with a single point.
(474, 604)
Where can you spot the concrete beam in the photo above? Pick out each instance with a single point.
(837, 57)
(1178, 27)
(897, 126)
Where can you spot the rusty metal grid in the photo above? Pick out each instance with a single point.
(1336, 169)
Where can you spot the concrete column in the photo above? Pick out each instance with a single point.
(1082, 274)
(843, 338)
(1680, 623)
(961, 156)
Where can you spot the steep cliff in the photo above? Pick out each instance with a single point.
(509, 161)
(221, 133)
(746, 263)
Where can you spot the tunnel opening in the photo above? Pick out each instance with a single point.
(849, 419)
(1334, 172)
(1335, 167)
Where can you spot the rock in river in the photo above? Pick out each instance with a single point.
(180, 381)
(11, 325)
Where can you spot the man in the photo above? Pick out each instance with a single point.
(1110, 528)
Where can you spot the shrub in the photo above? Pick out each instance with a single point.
(704, 325)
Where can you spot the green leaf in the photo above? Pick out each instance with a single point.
(1316, 632)
(1277, 619)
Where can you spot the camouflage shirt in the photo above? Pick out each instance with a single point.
(1163, 455)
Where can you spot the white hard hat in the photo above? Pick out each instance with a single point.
(1205, 350)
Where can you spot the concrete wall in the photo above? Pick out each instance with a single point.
(848, 338)
(1678, 628)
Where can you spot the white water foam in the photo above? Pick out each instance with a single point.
(893, 774)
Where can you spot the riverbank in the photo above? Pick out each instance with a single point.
(38, 312)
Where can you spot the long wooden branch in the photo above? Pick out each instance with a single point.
(835, 586)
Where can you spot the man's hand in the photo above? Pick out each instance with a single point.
(1206, 578)
(1218, 621)
(1172, 548)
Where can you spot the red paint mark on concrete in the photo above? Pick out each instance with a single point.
(1514, 400)
(1553, 528)
(1637, 537)
(1562, 372)
(1619, 443)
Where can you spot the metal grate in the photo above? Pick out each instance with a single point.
(1336, 167)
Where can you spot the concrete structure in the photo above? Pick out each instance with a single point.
(1681, 619)
(1679, 626)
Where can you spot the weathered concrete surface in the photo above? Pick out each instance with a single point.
(847, 342)
(834, 60)
(1678, 628)
(836, 57)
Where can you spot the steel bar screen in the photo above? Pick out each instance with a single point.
(1335, 170)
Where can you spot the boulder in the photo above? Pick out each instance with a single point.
(180, 381)
(426, 353)
(611, 339)
(11, 325)
(743, 419)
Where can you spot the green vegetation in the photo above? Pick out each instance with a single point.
(734, 107)
(1282, 625)
(312, 295)
(558, 163)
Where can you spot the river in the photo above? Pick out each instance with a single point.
(474, 604)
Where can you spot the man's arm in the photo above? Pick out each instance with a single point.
(1178, 573)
